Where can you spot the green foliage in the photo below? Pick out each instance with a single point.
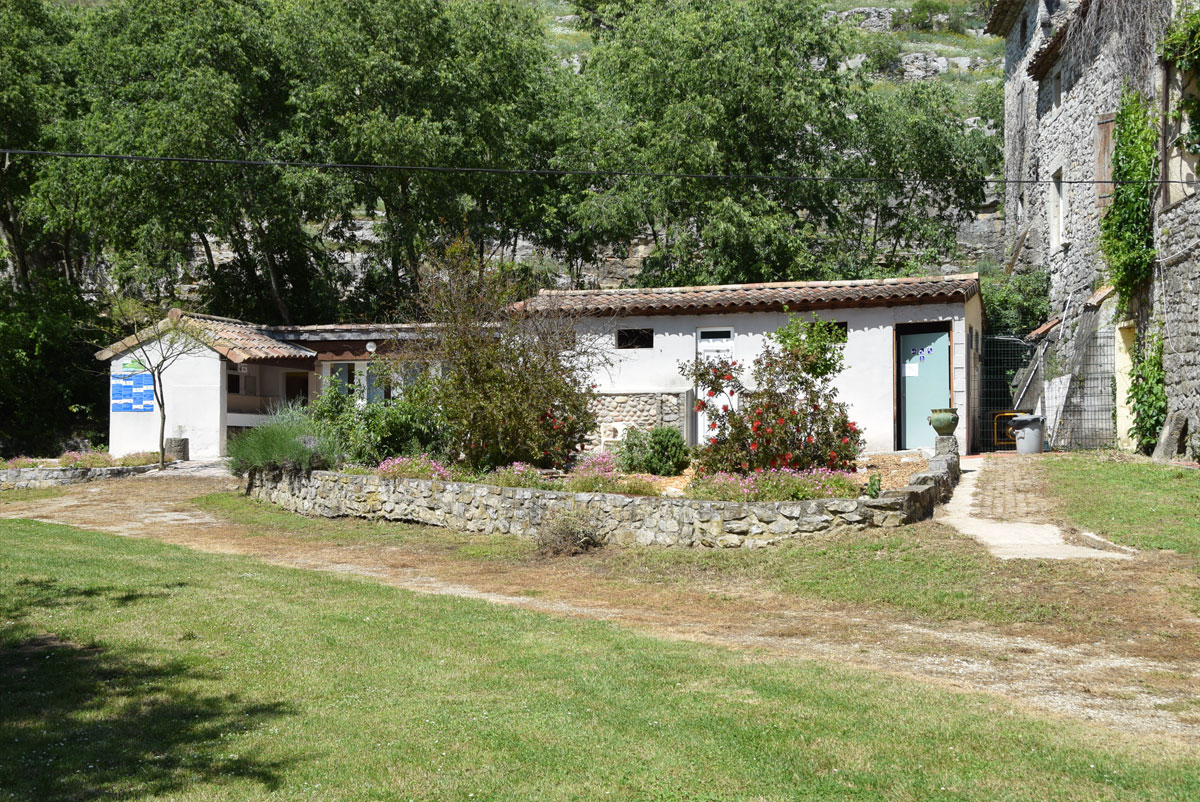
(1016, 303)
(792, 418)
(926, 15)
(289, 440)
(661, 451)
(1148, 392)
(599, 483)
(511, 388)
(520, 475)
(782, 484)
(53, 388)
(1126, 230)
(410, 423)
(882, 51)
(700, 86)
(874, 486)
(1181, 47)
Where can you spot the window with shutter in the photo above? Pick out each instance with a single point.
(1104, 157)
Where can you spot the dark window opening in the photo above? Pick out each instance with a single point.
(635, 338)
(844, 327)
(1024, 31)
(235, 384)
(719, 334)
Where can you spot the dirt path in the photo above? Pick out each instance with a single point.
(1092, 681)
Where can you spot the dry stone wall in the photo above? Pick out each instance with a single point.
(619, 519)
(37, 478)
(617, 411)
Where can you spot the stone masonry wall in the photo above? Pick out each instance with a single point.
(619, 519)
(1176, 303)
(616, 411)
(36, 478)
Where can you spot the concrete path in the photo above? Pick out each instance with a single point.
(1011, 540)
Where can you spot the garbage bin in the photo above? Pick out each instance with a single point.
(1027, 431)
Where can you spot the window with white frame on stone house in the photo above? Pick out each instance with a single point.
(1057, 210)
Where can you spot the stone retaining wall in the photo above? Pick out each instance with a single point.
(620, 519)
(36, 478)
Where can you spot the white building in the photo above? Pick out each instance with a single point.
(912, 346)
(232, 377)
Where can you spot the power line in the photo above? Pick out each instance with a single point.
(546, 171)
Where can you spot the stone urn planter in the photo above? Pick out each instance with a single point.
(944, 421)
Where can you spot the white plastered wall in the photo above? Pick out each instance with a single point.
(194, 388)
(867, 384)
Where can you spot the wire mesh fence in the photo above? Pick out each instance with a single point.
(1076, 395)
(1010, 384)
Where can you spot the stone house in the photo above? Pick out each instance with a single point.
(1067, 63)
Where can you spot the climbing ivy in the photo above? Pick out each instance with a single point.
(1126, 231)
(1181, 47)
(1148, 392)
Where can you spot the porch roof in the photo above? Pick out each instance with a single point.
(236, 340)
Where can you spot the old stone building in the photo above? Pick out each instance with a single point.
(1067, 63)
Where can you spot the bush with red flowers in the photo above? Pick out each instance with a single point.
(780, 411)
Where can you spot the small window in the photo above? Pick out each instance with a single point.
(1058, 211)
(235, 383)
(1056, 89)
(1024, 31)
(717, 334)
(635, 338)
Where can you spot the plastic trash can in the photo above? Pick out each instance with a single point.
(1027, 431)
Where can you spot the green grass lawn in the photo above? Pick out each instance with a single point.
(136, 670)
(1139, 504)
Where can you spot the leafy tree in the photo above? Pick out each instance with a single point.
(512, 387)
(179, 78)
(754, 87)
(423, 82)
(33, 82)
(53, 389)
(1015, 304)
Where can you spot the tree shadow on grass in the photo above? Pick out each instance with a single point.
(82, 723)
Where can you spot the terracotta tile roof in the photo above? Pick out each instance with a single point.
(795, 295)
(235, 340)
(1004, 15)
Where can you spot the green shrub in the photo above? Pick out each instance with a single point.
(1148, 392)
(774, 485)
(86, 459)
(409, 424)
(520, 474)
(623, 485)
(792, 418)
(661, 452)
(566, 533)
(23, 462)
(139, 458)
(418, 467)
(288, 440)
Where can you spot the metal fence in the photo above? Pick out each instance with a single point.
(1075, 391)
(1010, 383)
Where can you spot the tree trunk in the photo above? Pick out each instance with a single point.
(162, 419)
(9, 228)
(275, 282)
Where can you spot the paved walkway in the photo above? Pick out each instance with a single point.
(1010, 500)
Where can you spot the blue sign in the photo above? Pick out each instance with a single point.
(132, 392)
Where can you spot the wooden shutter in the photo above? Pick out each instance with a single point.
(1104, 160)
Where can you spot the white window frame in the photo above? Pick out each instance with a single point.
(1058, 210)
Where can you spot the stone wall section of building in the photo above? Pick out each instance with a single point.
(616, 412)
(40, 478)
(625, 520)
(1176, 306)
